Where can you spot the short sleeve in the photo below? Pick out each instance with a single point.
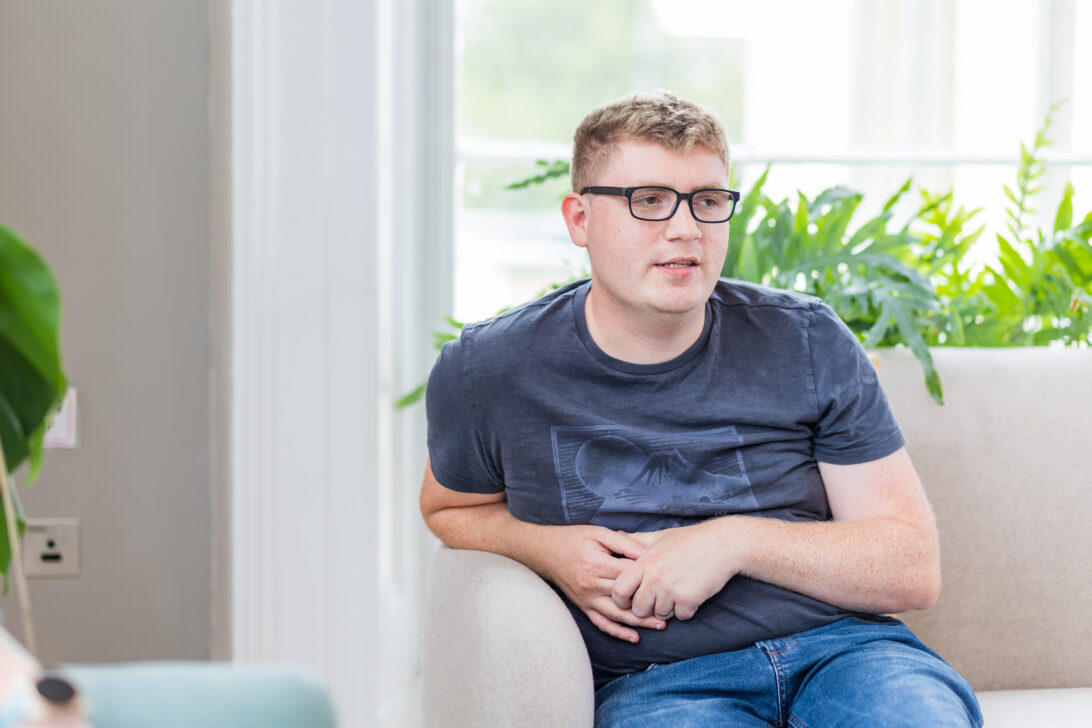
(458, 457)
(854, 422)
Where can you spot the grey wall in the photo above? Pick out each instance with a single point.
(104, 150)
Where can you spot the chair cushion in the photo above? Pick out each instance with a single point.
(1063, 708)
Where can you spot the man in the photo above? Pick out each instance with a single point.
(706, 470)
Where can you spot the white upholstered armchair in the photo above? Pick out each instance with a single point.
(1007, 464)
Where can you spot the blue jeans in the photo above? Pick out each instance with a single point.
(871, 673)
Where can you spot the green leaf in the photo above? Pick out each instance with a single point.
(739, 262)
(803, 218)
(830, 228)
(1064, 218)
(898, 195)
(1016, 269)
(1073, 267)
(999, 292)
(877, 333)
(31, 380)
(833, 197)
(869, 231)
(439, 338)
(557, 168)
(29, 305)
(910, 333)
(411, 397)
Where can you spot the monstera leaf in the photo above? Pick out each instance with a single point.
(31, 380)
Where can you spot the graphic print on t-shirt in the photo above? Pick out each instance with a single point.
(614, 474)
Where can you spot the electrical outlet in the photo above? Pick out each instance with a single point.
(51, 548)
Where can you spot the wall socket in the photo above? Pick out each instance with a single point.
(51, 548)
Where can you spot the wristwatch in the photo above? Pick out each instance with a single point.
(49, 696)
(56, 691)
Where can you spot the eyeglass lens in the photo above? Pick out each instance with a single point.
(657, 203)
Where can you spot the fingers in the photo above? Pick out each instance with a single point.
(685, 611)
(644, 601)
(626, 616)
(616, 622)
(586, 567)
(586, 587)
(613, 628)
(622, 543)
(625, 585)
(662, 603)
(664, 609)
(647, 538)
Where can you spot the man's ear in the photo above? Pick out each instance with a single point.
(574, 208)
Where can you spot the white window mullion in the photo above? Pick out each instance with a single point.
(1057, 47)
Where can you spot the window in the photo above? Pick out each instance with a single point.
(841, 92)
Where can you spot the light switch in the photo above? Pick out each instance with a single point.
(62, 431)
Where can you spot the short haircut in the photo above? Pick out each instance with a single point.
(656, 116)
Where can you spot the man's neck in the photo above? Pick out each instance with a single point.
(649, 339)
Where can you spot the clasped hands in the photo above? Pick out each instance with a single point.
(624, 580)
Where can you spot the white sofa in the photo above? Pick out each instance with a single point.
(1007, 464)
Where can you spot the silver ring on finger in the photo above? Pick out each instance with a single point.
(664, 615)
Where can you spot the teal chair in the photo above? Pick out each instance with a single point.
(188, 694)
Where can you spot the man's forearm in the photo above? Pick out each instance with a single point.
(872, 565)
(490, 527)
(879, 553)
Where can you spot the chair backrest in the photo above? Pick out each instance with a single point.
(1007, 465)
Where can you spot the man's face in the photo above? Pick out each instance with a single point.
(643, 269)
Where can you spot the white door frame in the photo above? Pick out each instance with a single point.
(332, 197)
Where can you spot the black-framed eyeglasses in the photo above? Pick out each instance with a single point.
(660, 203)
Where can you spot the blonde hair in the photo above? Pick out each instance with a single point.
(656, 116)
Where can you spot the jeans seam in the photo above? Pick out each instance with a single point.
(795, 722)
(772, 655)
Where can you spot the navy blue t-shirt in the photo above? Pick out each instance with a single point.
(528, 404)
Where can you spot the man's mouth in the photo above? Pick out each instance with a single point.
(678, 264)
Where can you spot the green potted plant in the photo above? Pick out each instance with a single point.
(913, 284)
(1039, 289)
(32, 384)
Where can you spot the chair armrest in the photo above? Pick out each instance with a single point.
(500, 648)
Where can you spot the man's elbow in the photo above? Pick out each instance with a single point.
(458, 519)
(923, 579)
(438, 519)
(428, 508)
(431, 522)
(923, 590)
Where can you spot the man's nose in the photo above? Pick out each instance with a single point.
(682, 225)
